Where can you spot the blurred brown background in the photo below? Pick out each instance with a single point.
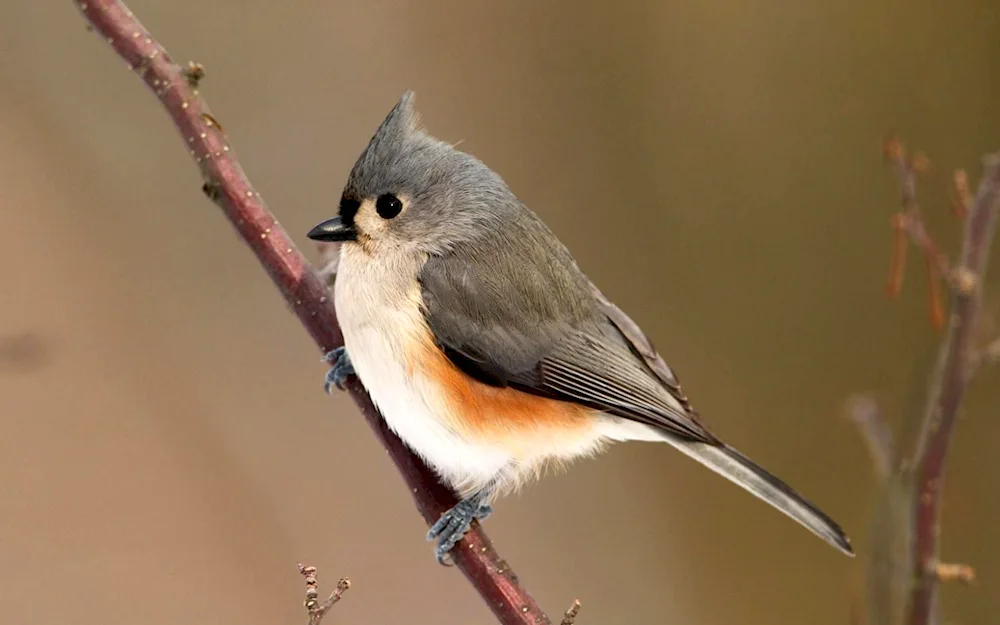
(166, 452)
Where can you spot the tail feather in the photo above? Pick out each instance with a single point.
(742, 471)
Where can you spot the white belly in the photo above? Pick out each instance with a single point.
(380, 317)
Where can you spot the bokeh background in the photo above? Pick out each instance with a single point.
(167, 454)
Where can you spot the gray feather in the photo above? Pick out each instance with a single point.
(511, 307)
(740, 470)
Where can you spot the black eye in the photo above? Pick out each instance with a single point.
(388, 206)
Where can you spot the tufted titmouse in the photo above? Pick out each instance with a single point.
(484, 346)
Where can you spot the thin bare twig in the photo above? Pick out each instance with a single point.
(907, 169)
(316, 609)
(864, 412)
(886, 556)
(955, 573)
(569, 618)
(919, 482)
(306, 293)
(907, 224)
(949, 384)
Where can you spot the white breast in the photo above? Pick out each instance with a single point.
(377, 305)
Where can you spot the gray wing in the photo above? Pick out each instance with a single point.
(527, 318)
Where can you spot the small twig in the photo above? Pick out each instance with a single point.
(956, 362)
(909, 220)
(949, 384)
(569, 618)
(305, 293)
(312, 604)
(194, 73)
(961, 196)
(962, 573)
(864, 412)
(904, 566)
(897, 262)
(934, 304)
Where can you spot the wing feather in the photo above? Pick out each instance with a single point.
(527, 318)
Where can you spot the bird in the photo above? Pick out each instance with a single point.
(485, 347)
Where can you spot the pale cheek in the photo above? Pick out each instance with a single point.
(367, 220)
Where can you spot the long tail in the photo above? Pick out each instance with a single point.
(742, 471)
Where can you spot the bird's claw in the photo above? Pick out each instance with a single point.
(340, 370)
(454, 524)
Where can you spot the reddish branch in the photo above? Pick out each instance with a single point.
(306, 294)
(956, 362)
(950, 381)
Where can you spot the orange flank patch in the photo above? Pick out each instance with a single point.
(526, 424)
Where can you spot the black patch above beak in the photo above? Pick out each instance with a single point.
(333, 230)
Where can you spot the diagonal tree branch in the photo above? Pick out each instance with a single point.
(306, 294)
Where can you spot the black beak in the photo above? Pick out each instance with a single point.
(333, 230)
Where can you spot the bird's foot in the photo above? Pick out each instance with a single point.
(340, 371)
(455, 523)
